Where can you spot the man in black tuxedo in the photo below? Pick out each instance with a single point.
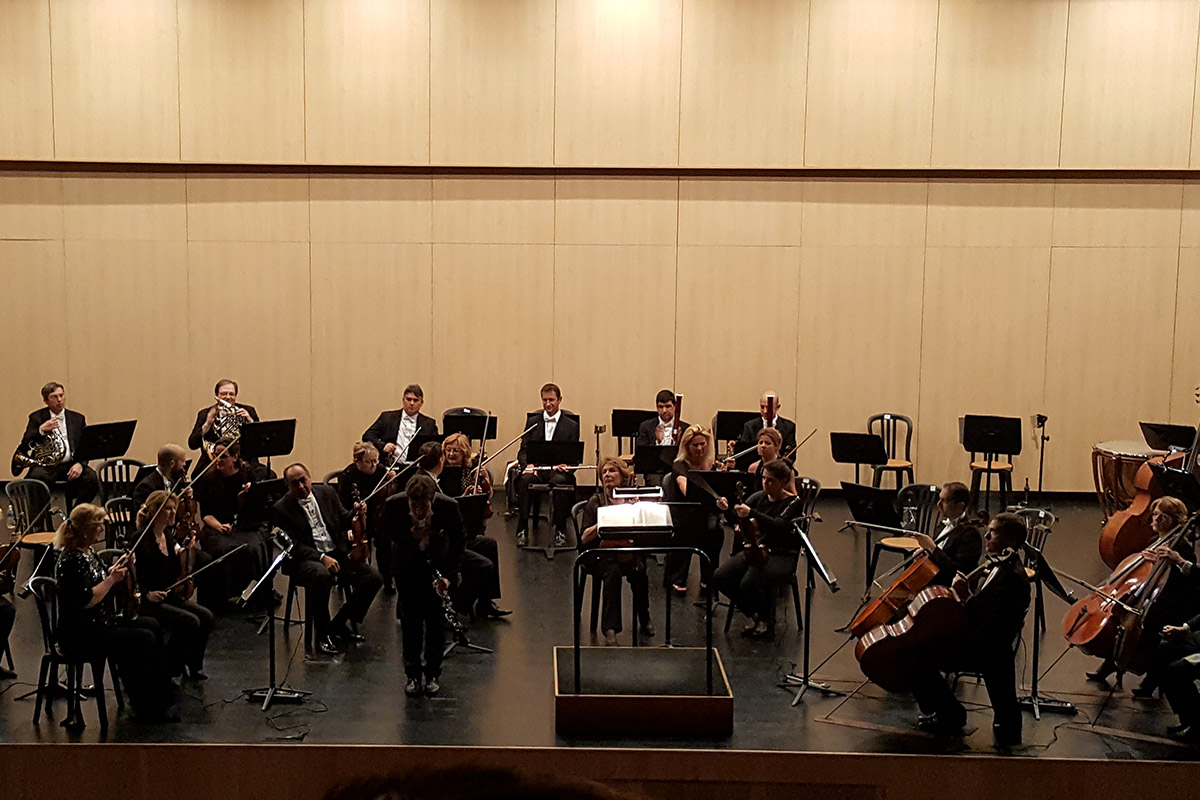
(392, 431)
(55, 420)
(786, 428)
(172, 467)
(427, 537)
(206, 428)
(959, 543)
(996, 603)
(660, 430)
(552, 425)
(317, 523)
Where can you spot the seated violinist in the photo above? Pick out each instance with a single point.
(364, 475)
(959, 543)
(996, 602)
(750, 585)
(159, 566)
(694, 528)
(481, 560)
(608, 569)
(318, 523)
(768, 443)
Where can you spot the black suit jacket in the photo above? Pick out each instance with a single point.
(196, 438)
(75, 425)
(996, 610)
(786, 428)
(288, 516)
(960, 552)
(386, 427)
(411, 566)
(146, 487)
(647, 431)
(567, 430)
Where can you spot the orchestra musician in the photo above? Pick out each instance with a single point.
(218, 421)
(660, 430)
(456, 449)
(609, 569)
(318, 523)
(456, 452)
(363, 473)
(87, 627)
(8, 616)
(393, 431)
(221, 493)
(749, 587)
(700, 529)
(959, 544)
(768, 443)
(426, 529)
(1181, 652)
(186, 624)
(552, 426)
(786, 428)
(171, 469)
(996, 604)
(60, 422)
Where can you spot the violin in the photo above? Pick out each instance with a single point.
(187, 528)
(756, 552)
(360, 544)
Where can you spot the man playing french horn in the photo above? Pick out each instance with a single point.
(221, 420)
(50, 444)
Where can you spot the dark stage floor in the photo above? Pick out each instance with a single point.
(507, 699)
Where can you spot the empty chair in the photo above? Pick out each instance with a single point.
(116, 477)
(896, 430)
(122, 523)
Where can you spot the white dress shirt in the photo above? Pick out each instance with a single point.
(406, 433)
(321, 538)
(61, 432)
(551, 423)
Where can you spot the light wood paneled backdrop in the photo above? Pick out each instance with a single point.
(325, 295)
(978, 84)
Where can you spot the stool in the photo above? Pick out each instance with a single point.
(991, 464)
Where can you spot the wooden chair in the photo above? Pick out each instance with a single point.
(894, 429)
(116, 477)
(918, 509)
(1038, 524)
(997, 464)
(122, 522)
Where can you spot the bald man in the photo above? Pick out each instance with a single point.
(786, 428)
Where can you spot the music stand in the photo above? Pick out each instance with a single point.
(626, 422)
(274, 437)
(1043, 575)
(419, 441)
(813, 566)
(271, 692)
(259, 497)
(654, 459)
(1166, 436)
(470, 422)
(546, 455)
(1180, 483)
(724, 484)
(872, 509)
(450, 481)
(105, 440)
(992, 436)
(858, 449)
(728, 425)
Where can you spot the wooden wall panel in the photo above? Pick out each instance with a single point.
(365, 208)
(983, 351)
(717, 295)
(116, 78)
(1125, 105)
(493, 210)
(616, 92)
(990, 213)
(101, 205)
(1085, 397)
(998, 89)
(1189, 236)
(366, 81)
(1098, 214)
(613, 210)
(361, 365)
(122, 295)
(1185, 378)
(853, 212)
(740, 211)
(492, 82)
(26, 96)
(870, 83)
(614, 329)
(849, 368)
(241, 81)
(249, 308)
(26, 268)
(490, 354)
(31, 205)
(247, 208)
(743, 84)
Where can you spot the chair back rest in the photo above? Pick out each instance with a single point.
(807, 490)
(122, 522)
(1038, 523)
(29, 503)
(917, 504)
(45, 594)
(576, 521)
(894, 429)
(331, 478)
(116, 477)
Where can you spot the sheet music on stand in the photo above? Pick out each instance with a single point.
(639, 521)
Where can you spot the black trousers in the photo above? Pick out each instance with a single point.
(137, 651)
(480, 570)
(422, 628)
(752, 589)
(609, 570)
(8, 615)
(360, 580)
(80, 490)
(1177, 676)
(186, 626)
(559, 510)
(994, 662)
(231, 577)
(703, 532)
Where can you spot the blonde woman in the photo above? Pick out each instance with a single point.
(695, 528)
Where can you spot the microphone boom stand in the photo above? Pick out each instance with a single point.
(271, 692)
(812, 567)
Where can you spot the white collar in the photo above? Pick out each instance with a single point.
(549, 418)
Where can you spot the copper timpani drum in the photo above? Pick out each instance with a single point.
(1114, 465)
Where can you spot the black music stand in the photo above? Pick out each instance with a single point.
(871, 508)
(858, 449)
(626, 422)
(105, 440)
(1180, 483)
(274, 437)
(546, 455)
(1167, 436)
(259, 498)
(271, 692)
(992, 436)
(813, 566)
(471, 422)
(1043, 574)
(654, 459)
(728, 425)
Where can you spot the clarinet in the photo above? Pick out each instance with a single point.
(448, 606)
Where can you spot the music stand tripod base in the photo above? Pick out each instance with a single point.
(274, 694)
(792, 681)
(1040, 704)
(464, 642)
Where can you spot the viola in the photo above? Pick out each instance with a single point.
(360, 546)
(756, 552)
(187, 528)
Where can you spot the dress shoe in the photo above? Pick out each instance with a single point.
(413, 687)
(647, 630)
(327, 647)
(522, 537)
(942, 724)
(1175, 730)
(748, 628)
(560, 539)
(389, 588)
(610, 638)
(1006, 737)
(1101, 674)
(6, 674)
(346, 634)
(196, 674)
(1187, 734)
(489, 610)
(1143, 692)
(432, 687)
